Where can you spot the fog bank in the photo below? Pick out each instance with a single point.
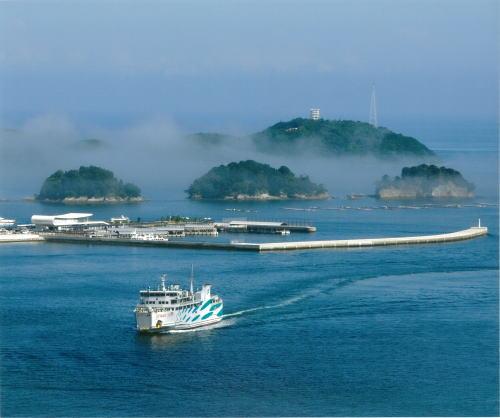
(157, 156)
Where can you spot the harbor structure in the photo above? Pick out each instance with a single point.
(314, 114)
(7, 223)
(18, 236)
(277, 227)
(466, 234)
(71, 220)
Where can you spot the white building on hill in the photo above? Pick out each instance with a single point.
(315, 114)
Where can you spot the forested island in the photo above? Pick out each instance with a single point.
(425, 181)
(337, 137)
(87, 185)
(250, 180)
(325, 138)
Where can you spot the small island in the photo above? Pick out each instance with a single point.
(250, 180)
(87, 185)
(425, 181)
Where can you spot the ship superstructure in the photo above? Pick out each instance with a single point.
(171, 308)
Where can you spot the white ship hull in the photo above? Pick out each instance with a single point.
(160, 320)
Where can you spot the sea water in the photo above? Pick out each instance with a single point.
(410, 330)
(406, 330)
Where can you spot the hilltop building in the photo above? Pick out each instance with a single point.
(314, 114)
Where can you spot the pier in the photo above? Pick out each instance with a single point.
(264, 227)
(466, 234)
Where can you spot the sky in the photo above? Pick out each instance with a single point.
(239, 66)
(141, 75)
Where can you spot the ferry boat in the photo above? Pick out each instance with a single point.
(6, 222)
(171, 308)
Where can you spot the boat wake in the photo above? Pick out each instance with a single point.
(220, 324)
(286, 302)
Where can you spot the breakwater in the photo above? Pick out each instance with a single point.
(20, 237)
(465, 234)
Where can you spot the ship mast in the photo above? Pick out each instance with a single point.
(192, 279)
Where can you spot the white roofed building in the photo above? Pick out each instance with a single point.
(66, 221)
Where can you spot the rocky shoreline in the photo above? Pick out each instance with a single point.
(415, 192)
(84, 200)
(267, 197)
(425, 181)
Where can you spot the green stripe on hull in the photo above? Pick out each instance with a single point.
(214, 307)
(208, 315)
(208, 302)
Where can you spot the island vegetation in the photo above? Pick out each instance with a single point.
(87, 185)
(337, 137)
(425, 181)
(324, 138)
(250, 180)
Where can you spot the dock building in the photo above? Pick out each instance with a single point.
(66, 221)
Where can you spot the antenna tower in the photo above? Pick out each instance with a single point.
(373, 109)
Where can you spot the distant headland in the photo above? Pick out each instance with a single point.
(89, 185)
(250, 180)
(425, 181)
(326, 138)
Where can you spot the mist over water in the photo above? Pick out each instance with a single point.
(158, 156)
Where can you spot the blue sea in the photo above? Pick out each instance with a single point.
(386, 331)
(410, 330)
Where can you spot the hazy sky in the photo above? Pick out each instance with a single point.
(244, 64)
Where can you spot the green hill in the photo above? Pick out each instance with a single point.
(248, 180)
(87, 183)
(336, 137)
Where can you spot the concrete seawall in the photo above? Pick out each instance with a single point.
(78, 239)
(20, 238)
(466, 234)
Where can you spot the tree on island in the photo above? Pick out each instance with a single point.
(91, 182)
(250, 179)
